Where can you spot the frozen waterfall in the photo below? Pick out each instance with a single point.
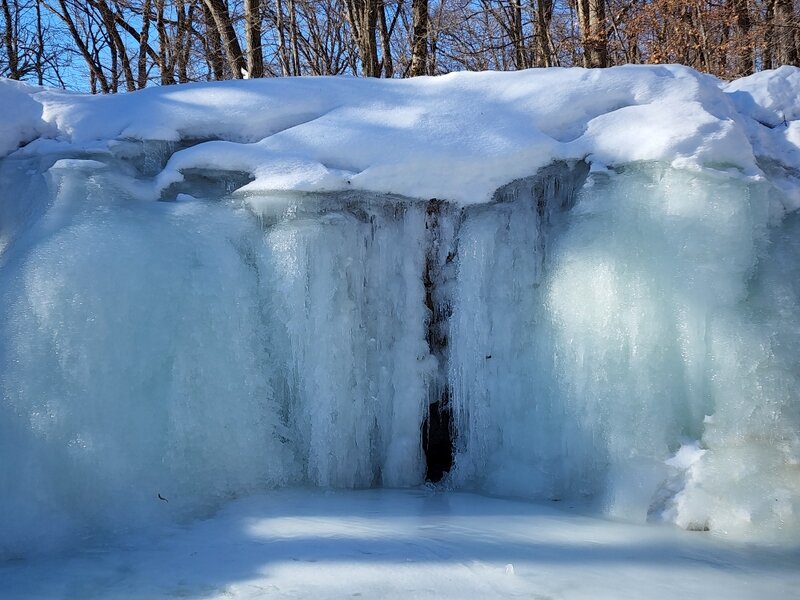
(592, 327)
(187, 321)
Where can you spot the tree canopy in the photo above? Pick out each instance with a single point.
(116, 45)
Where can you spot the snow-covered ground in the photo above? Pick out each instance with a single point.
(409, 544)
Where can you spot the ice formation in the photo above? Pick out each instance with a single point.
(213, 289)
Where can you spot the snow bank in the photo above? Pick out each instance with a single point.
(769, 103)
(462, 135)
(23, 121)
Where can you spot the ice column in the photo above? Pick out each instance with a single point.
(345, 289)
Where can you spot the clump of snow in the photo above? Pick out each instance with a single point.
(18, 100)
(769, 102)
(769, 96)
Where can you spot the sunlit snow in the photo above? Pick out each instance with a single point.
(408, 544)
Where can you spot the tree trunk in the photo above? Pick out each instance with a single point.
(544, 15)
(283, 54)
(592, 19)
(784, 40)
(96, 75)
(164, 66)
(213, 45)
(745, 61)
(704, 50)
(117, 46)
(419, 39)
(293, 42)
(252, 23)
(10, 42)
(518, 36)
(230, 43)
(141, 67)
(40, 49)
(363, 17)
(183, 37)
(386, 47)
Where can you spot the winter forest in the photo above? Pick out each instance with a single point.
(114, 45)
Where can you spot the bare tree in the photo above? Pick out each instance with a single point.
(252, 21)
(10, 38)
(363, 18)
(784, 33)
(419, 40)
(130, 44)
(592, 17)
(544, 17)
(227, 33)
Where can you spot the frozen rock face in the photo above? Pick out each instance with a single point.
(193, 350)
(645, 325)
(590, 327)
(610, 330)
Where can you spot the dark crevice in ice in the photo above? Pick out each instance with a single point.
(207, 183)
(437, 439)
(437, 428)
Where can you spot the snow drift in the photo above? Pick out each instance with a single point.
(213, 289)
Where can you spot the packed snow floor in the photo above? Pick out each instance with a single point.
(408, 544)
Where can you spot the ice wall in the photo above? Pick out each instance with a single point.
(192, 350)
(629, 337)
(130, 363)
(346, 317)
(645, 358)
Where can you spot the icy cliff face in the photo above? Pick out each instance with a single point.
(644, 327)
(192, 350)
(599, 322)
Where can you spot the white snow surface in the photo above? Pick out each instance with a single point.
(461, 135)
(408, 544)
